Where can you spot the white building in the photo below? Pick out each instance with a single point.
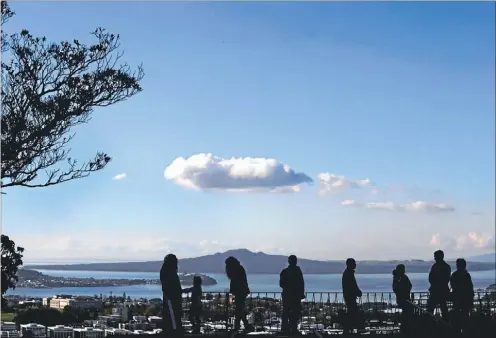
(9, 330)
(75, 302)
(8, 326)
(46, 301)
(37, 330)
(121, 311)
(117, 332)
(88, 332)
(10, 334)
(60, 331)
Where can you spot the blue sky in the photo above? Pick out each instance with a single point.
(398, 93)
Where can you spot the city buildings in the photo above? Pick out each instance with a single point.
(88, 332)
(122, 311)
(9, 330)
(60, 331)
(117, 332)
(36, 330)
(80, 302)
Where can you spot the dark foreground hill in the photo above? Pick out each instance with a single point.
(258, 262)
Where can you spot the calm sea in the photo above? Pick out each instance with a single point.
(258, 283)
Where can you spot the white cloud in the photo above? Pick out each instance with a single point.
(417, 206)
(119, 177)
(435, 240)
(209, 172)
(473, 241)
(330, 183)
(466, 243)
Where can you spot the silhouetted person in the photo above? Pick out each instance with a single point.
(196, 308)
(239, 289)
(402, 288)
(462, 291)
(172, 297)
(439, 278)
(293, 291)
(351, 292)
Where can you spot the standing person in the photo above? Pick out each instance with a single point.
(293, 291)
(240, 290)
(196, 308)
(172, 297)
(402, 288)
(351, 292)
(462, 290)
(439, 278)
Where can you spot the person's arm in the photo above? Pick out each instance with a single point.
(395, 285)
(164, 282)
(409, 284)
(471, 285)
(281, 279)
(431, 275)
(302, 281)
(358, 291)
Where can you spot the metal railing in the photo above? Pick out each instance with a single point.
(324, 312)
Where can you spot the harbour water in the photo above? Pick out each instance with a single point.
(258, 283)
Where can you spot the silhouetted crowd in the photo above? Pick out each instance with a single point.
(292, 284)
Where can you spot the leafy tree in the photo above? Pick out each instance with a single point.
(47, 89)
(11, 260)
(44, 316)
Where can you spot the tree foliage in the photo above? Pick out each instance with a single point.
(11, 260)
(46, 316)
(7, 13)
(49, 88)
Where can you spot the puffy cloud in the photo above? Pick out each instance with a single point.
(119, 177)
(417, 206)
(209, 172)
(466, 243)
(473, 241)
(435, 240)
(330, 183)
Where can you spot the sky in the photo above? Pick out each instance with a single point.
(325, 130)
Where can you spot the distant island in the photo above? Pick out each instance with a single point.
(34, 279)
(261, 263)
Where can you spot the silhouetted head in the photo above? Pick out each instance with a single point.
(400, 270)
(350, 263)
(231, 264)
(461, 264)
(439, 255)
(171, 263)
(292, 260)
(197, 281)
